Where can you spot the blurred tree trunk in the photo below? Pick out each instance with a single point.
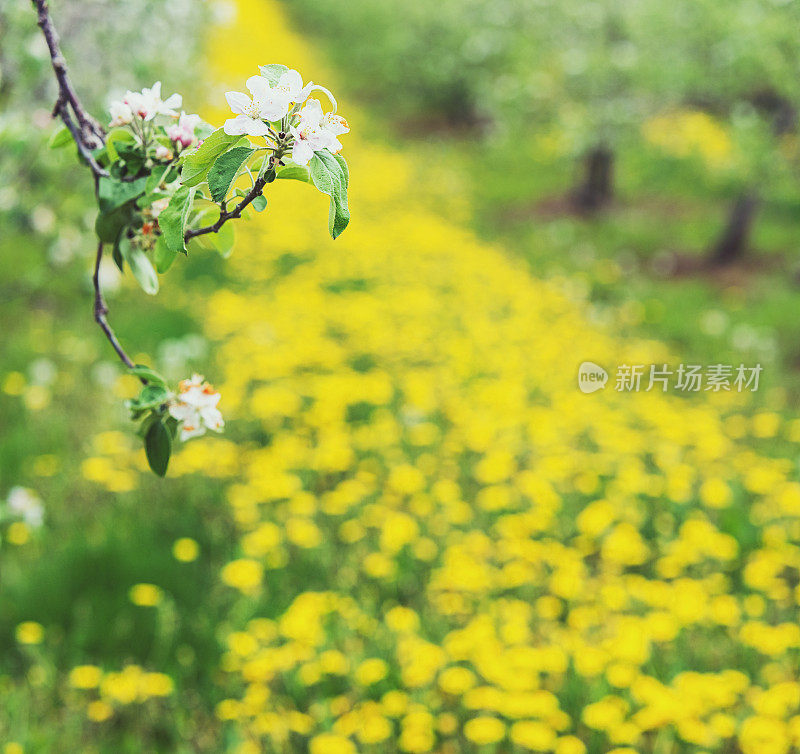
(735, 237)
(597, 187)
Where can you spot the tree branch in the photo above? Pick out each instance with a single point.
(89, 126)
(224, 215)
(88, 135)
(100, 311)
(86, 131)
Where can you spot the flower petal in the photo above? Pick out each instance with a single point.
(327, 93)
(275, 108)
(291, 81)
(237, 126)
(302, 152)
(256, 128)
(312, 112)
(173, 102)
(237, 100)
(336, 124)
(259, 87)
(192, 431)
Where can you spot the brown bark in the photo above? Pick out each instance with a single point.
(734, 240)
(596, 189)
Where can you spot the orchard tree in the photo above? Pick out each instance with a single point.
(165, 182)
(739, 61)
(577, 76)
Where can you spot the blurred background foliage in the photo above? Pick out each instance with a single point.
(639, 157)
(680, 118)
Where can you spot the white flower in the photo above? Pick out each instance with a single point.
(315, 132)
(121, 114)
(195, 407)
(290, 88)
(25, 504)
(182, 132)
(148, 103)
(163, 153)
(251, 113)
(158, 206)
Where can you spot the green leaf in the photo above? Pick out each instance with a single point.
(345, 170)
(172, 220)
(198, 162)
(140, 266)
(203, 131)
(140, 370)
(224, 171)
(167, 174)
(273, 72)
(151, 396)
(223, 240)
(296, 173)
(172, 425)
(158, 447)
(60, 138)
(112, 194)
(117, 135)
(163, 256)
(116, 256)
(108, 226)
(329, 178)
(259, 204)
(132, 155)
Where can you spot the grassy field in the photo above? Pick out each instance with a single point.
(416, 534)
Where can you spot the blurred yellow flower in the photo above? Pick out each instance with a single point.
(330, 743)
(145, 595)
(30, 632)
(85, 677)
(402, 619)
(371, 671)
(14, 383)
(374, 729)
(185, 550)
(569, 745)
(157, 684)
(456, 680)
(18, 533)
(98, 710)
(484, 730)
(533, 735)
(243, 574)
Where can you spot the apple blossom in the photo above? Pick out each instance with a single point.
(176, 180)
(121, 114)
(148, 103)
(195, 407)
(25, 504)
(290, 89)
(316, 131)
(158, 206)
(265, 105)
(163, 153)
(182, 132)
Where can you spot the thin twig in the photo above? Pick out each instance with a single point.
(88, 135)
(92, 131)
(100, 311)
(224, 215)
(63, 112)
(86, 131)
